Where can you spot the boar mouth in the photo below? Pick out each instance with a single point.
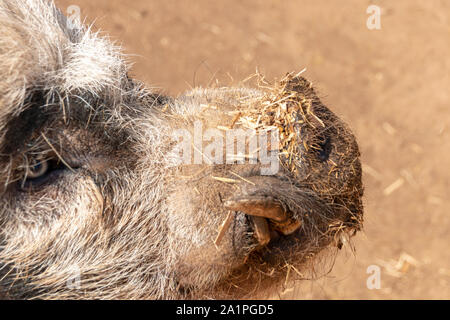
(270, 215)
(269, 219)
(290, 220)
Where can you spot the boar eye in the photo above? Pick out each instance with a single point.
(37, 168)
(40, 171)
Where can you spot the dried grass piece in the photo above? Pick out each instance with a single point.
(223, 228)
(242, 178)
(226, 180)
(57, 153)
(394, 186)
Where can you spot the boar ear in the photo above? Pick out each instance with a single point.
(258, 199)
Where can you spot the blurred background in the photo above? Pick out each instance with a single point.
(390, 84)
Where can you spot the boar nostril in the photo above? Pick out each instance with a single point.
(325, 149)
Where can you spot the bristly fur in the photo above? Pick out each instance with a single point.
(117, 217)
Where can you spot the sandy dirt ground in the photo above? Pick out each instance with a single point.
(391, 85)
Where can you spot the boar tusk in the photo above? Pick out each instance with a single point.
(262, 231)
(265, 207)
(259, 206)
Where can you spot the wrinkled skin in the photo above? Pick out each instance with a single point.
(94, 204)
